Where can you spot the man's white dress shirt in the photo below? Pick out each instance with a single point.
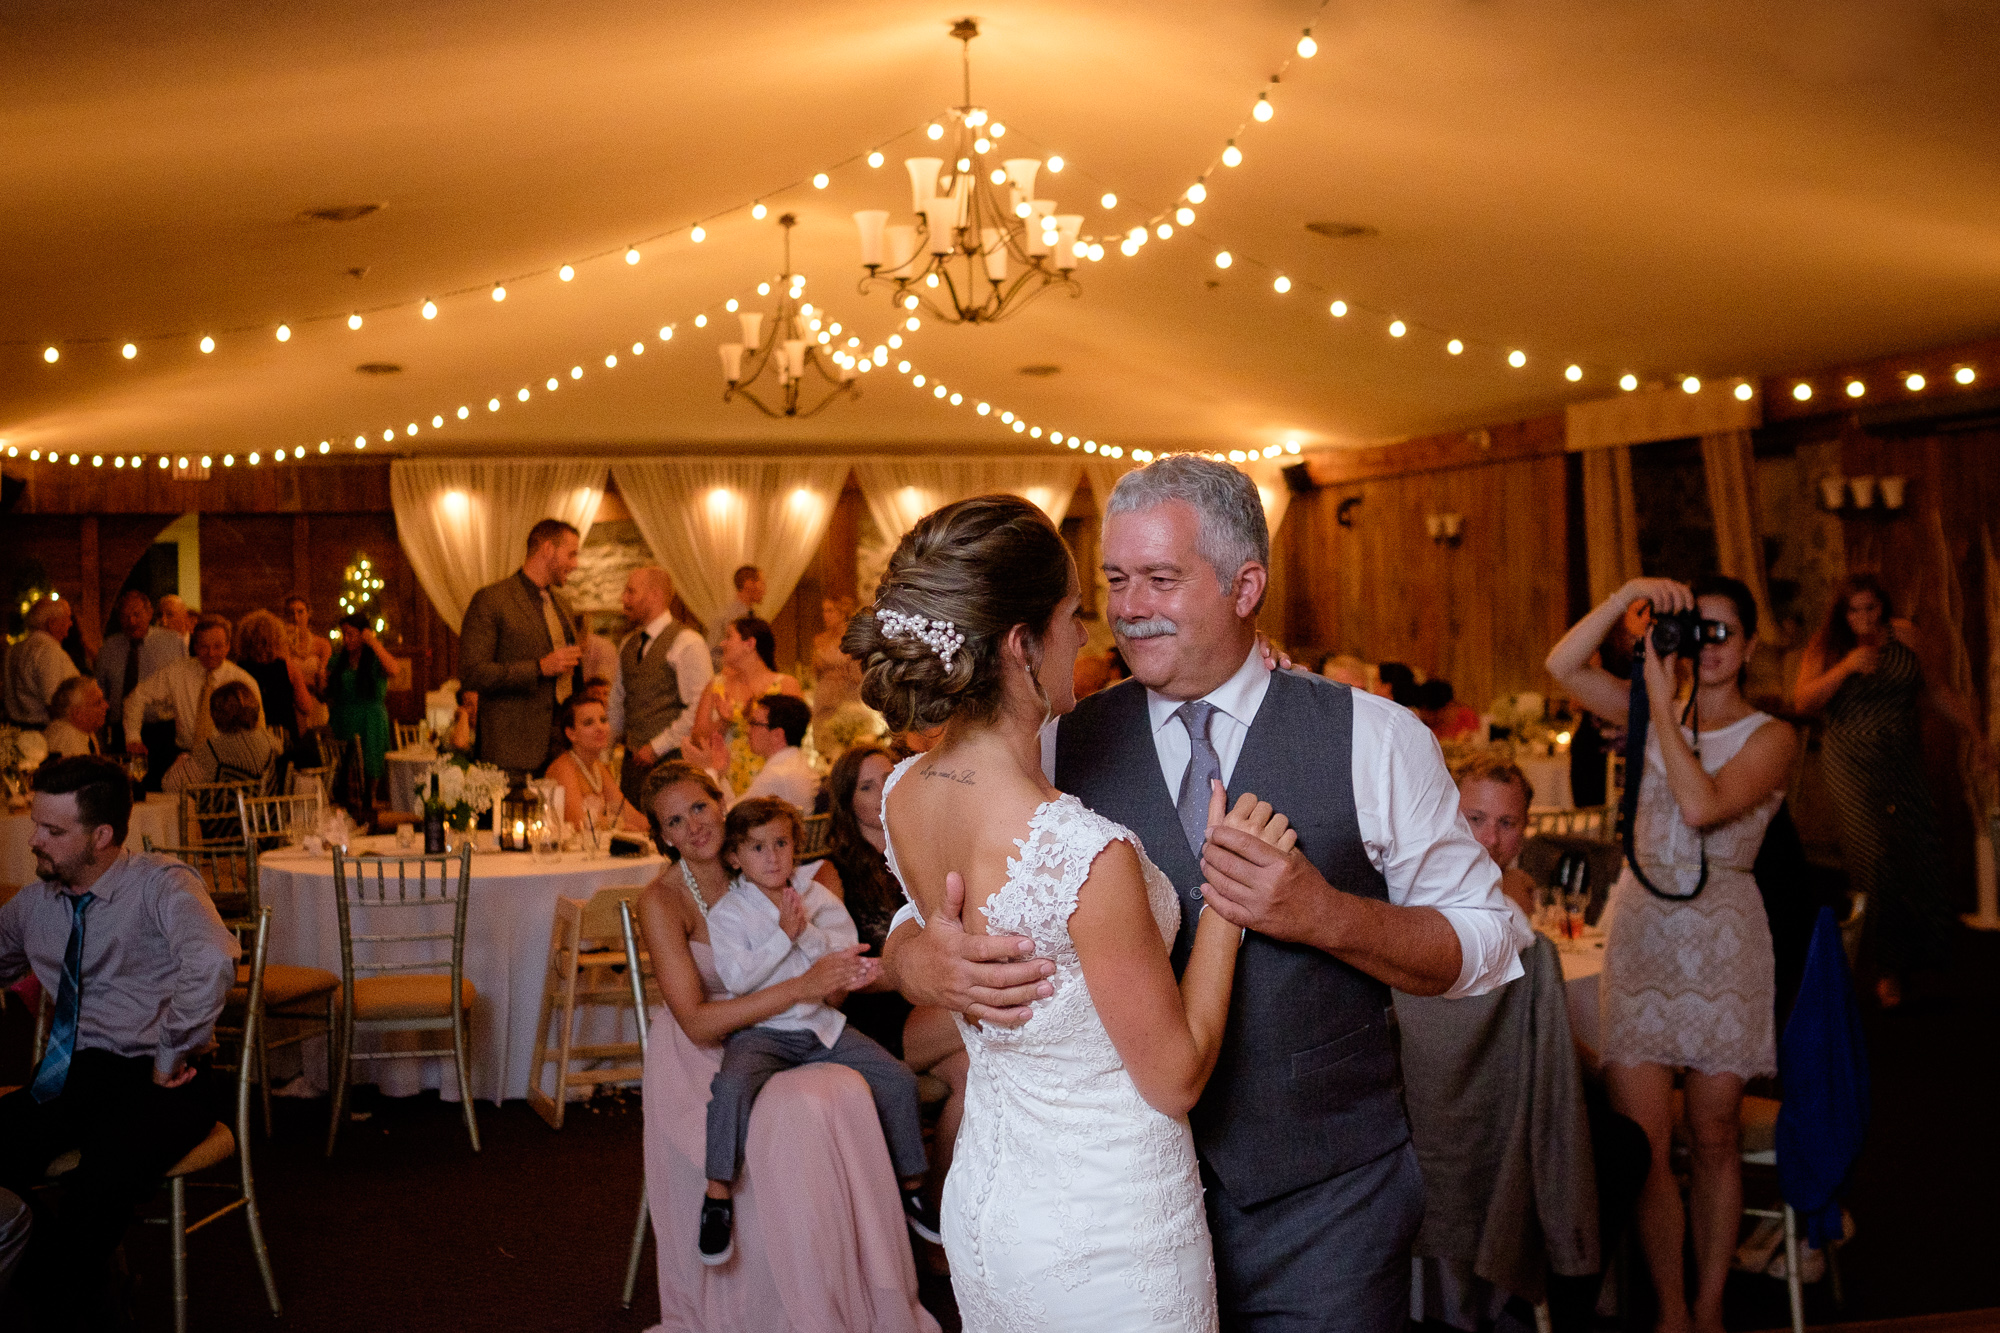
(1406, 802)
(751, 952)
(692, 672)
(179, 685)
(34, 668)
(788, 775)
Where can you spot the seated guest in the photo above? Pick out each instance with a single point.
(1448, 719)
(79, 710)
(136, 651)
(819, 1233)
(581, 769)
(137, 936)
(186, 686)
(236, 748)
(37, 664)
(1494, 796)
(774, 923)
(281, 686)
(464, 731)
(777, 727)
(925, 1039)
(721, 735)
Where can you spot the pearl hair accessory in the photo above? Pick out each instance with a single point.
(940, 636)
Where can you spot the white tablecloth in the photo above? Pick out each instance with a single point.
(506, 957)
(405, 768)
(1582, 962)
(155, 819)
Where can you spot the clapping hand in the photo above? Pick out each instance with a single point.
(792, 916)
(833, 975)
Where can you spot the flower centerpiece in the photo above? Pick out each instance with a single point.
(456, 792)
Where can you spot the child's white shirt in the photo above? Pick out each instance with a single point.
(752, 952)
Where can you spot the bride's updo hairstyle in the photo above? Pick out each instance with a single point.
(974, 569)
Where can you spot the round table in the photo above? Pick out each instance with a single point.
(158, 818)
(1582, 961)
(506, 957)
(405, 769)
(1549, 774)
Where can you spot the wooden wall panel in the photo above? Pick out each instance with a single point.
(314, 486)
(1482, 614)
(246, 563)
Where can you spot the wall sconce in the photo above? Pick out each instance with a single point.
(1892, 491)
(1833, 491)
(1444, 528)
(1861, 493)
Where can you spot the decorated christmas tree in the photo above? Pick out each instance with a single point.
(359, 585)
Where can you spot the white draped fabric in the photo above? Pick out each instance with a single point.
(463, 522)
(899, 491)
(705, 517)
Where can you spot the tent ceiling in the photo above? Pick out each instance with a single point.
(1667, 188)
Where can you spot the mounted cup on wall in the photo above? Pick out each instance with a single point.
(1892, 492)
(1863, 490)
(1833, 491)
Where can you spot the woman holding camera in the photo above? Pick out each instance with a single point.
(1687, 980)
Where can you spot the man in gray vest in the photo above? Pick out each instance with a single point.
(1313, 1190)
(662, 670)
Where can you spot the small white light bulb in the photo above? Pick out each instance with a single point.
(1109, 200)
(632, 252)
(1232, 156)
(1454, 347)
(464, 411)
(935, 131)
(701, 321)
(982, 145)
(1628, 382)
(1224, 259)
(1573, 373)
(1744, 392)
(1913, 381)
(1184, 216)
(821, 181)
(1802, 391)
(566, 272)
(128, 351)
(757, 211)
(1262, 111)
(1855, 388)
(1281, 284)
(1691, 385)
(430, 310)
(1517, 359)
(875, 158)
(492, 404)
(1308, 48)
(1338, 309)
(284, 333)
(1055, 162)
(1197, 193)
(208, 344)
(499, 292)
(611, 361)
(1164, 231)
(1397, 328)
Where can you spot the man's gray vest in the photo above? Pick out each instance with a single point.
(652, 687)
(1308, 1084)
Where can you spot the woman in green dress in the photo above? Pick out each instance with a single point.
(357, 687)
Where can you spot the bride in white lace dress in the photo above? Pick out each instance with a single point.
(1074, 1200)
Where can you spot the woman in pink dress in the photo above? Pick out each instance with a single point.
(820, 1238)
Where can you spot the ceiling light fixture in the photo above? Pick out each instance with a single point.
(783, 352)
(963, 222)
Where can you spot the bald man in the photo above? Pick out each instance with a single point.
(662, 669)
(178, 619)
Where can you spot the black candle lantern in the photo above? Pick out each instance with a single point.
(514, 821)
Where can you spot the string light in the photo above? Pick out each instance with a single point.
(1628, 382)
(1802, 391)
(1308, 48)
(499, 292)
(1690, 385)
(284, 333)
(566, 272)
(632, 252)
(51, 355)
(207, 345)
(1744, 393)
(1913, 382)
(354, 321)
(1397, 328)
(430, 310)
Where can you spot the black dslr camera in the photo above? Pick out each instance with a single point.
(1683, 633)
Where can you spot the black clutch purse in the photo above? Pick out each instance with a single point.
(628, 844)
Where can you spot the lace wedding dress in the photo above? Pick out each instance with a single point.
(1071, 1203)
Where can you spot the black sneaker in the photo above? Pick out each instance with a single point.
(718, 1224)
(923, 1218)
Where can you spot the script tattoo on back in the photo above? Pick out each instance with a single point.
(964, 779)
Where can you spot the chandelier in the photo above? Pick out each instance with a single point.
(786, 351)
(974, 255)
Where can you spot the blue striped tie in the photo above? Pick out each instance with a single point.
(54, 1072)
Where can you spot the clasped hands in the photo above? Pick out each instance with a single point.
(1254, 879)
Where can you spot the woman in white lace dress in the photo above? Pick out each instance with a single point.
(1074, 1201)
(1687, 980)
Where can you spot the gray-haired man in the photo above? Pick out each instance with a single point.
(1312, 1186)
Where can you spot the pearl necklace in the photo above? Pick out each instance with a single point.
(687, 877)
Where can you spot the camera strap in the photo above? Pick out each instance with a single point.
(1638, 718)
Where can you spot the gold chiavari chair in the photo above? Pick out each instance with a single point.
(210, 815)
(407, 734)
(278, 821)
(816, 837)
(638, 975)
(385, 993)
(300, 997)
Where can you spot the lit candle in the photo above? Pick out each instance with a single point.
(520, 835)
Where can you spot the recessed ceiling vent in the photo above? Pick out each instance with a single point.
(1342, 231)
(379, 368)
(338, 212)
(1041, 372)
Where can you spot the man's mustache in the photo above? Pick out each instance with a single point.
(1152, 628)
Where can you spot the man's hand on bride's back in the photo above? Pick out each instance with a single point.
(988, 978)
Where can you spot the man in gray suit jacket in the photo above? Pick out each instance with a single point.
(1313, 1190)
(518, 649)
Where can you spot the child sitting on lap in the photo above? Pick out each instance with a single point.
(765, 930)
